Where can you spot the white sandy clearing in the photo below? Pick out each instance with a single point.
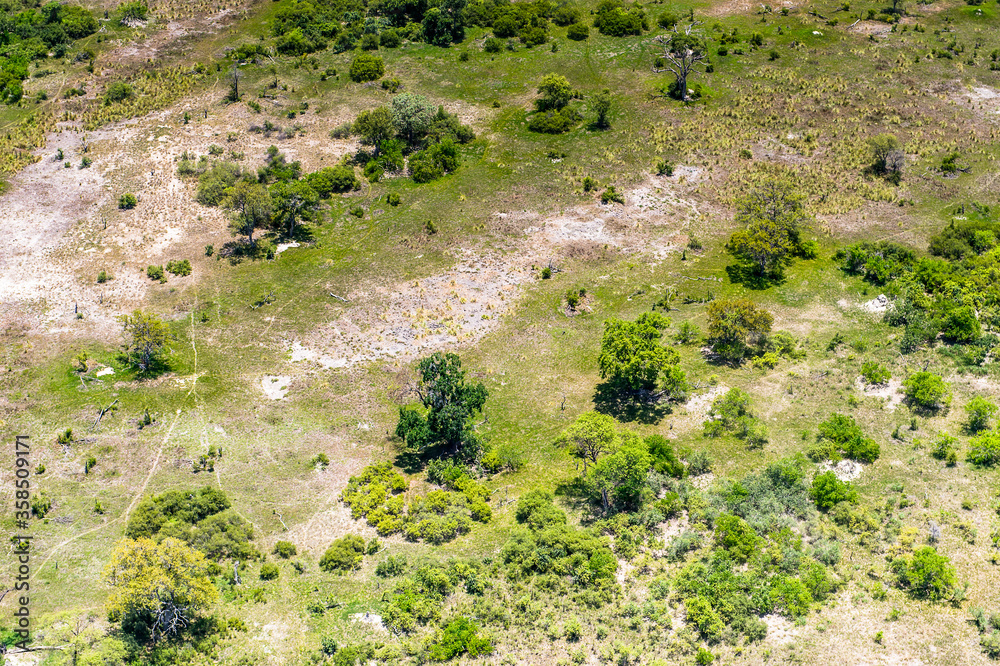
(275, 386)
(104, 371)
(888, 392)
(845, 470)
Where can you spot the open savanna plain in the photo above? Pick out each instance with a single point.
(285, 365)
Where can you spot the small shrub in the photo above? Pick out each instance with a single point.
(127, 201)
(493, 45)
(180, 268)
(612, 195)
(366, 67)
(40, 505)
(664, 168)
(875, 374)
(392, 199)
(394, 565)
(578, 32)
(320, 460)
(285, 549)
(979, 410)
(926, 391)
(269, 571)
(89, 464)
(103, 277)
(156, 273)
(984, 450)
(344, 554)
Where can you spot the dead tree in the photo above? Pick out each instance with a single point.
(682, 50)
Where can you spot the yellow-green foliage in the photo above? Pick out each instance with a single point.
(153, 90)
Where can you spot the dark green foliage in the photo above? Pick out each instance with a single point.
(984, 450)
(973, 236)
(926, 391)
(841, 436)
(633, 359)
(329, 180)
(736, 536)
(536, 510)
(460, 636)
(119, 91)
(926, 574)
(554, 122)
(269, 571)
(201, 518)
(127, 201)
(179, 267)
(344, 554)
(663, 458)
(418, 600)
(41, 504)
(878, 262)
(769, 498)
(366, 67)
(827, 491)
(434, 162)
(285, 549)
(613, 19)
(450, 402)
(89, 464)
(578, 32)
(874, 373)
(611, 195)
(444, 23)
(213, 183)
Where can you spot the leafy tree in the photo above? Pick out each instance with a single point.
(735, 325)
(664, 458)
(146, 338)
(450, 402)
(590, 436)
(292, 201)
(284, 549)
(460, 636)
(374, 127)
(162, 585)
(537, 510)
(251, 206)
(632, 357)
(680, 52)
(961, 325)
(602, 107)
(887, 155)
(984, 450)
(444, 24)
(328, 180)
(774, 215)
(621, 476)
(344, 554)
(926, 391)
(366, 67)
(980, 411)
(841, 435)
(737, 536)
(827, 491)
(926, 574)
(555, 93)
(412, 116)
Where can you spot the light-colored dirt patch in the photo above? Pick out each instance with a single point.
(700, 404)
(373, 620)
(877, 28)
(780, 630)
(877, 305)
(702, 482)
(675, 526)
(275, 386)
(889, 393)
(845, 470)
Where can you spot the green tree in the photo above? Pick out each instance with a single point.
(366, 67)
(984, 450)
(773, 215)
(251, 206)
(680, 52)
(162, 585)
(292, 201)
(374, 127)
(146, 338)
(555, 93)
(980, 411)
(827, 491)
(621, 476)
(344, 554)
(412, 116)
(926, 574)
(735, 325)
(632, 357)
(887, 154)
(602, 107)
(926, 391)
(444, 23)
(589, 437)
(961, 325)
(737, 536)
(450, 403)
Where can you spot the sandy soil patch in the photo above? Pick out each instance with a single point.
(845, 470)
(889, 393)
(275, 387)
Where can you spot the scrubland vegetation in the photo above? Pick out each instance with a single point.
(506, 332)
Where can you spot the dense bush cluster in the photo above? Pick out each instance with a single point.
(841, 437)
(436, 517)
(203, 519)
(730, 414)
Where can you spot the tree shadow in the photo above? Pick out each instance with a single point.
(630, 406)
(413, 461)
(748, 277)
(580, 497)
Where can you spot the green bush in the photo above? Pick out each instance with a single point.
(736, 536)
(285, 549)
(926, 391)
(127, 201)
(493, 45)
(578, 32)
(329, 180)
(980, 411)
(827, 491)
(155, 273)
(213, 182)
(840, 435)
(984, 450)
(103, 277)
(460, 636)
(119, 91)
(611, 195)
(554, 121)
(269, 571)
(926, 574)
(40, 505)
(366, 67)
(875, 374)
(537, 510)
(394, 565)
(389, 39)
(89, 464)
(944, 448)
(344, 554)
(181, 267)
